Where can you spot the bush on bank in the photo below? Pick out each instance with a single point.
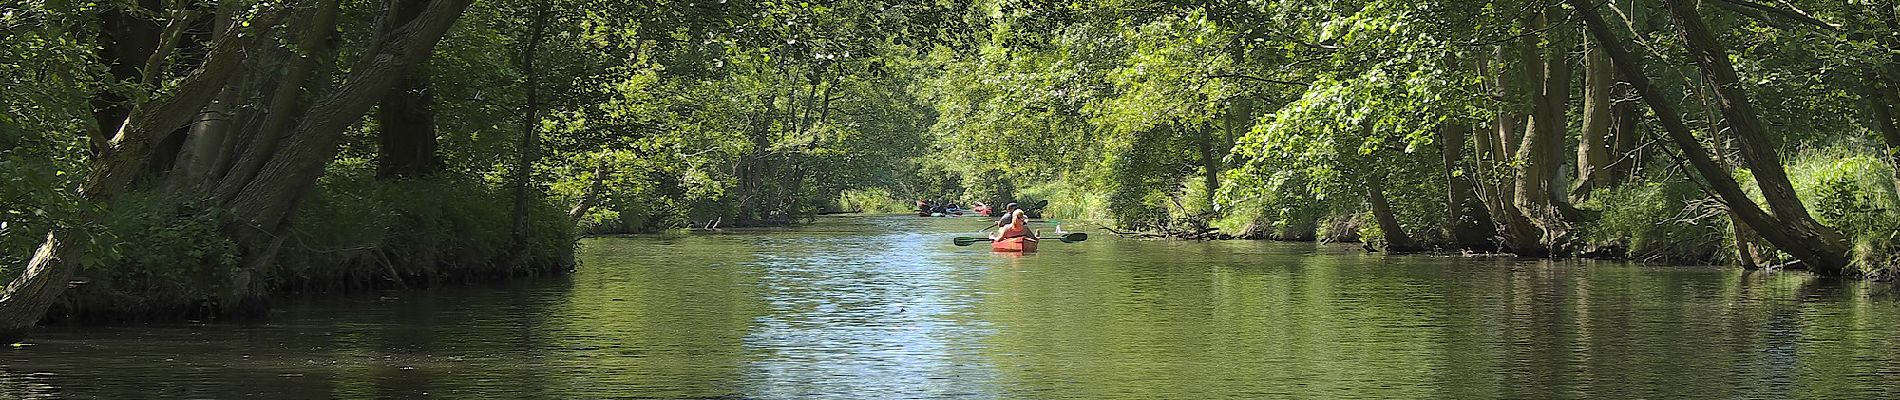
(163, 258)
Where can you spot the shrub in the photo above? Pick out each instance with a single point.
(1651, 221)
(1855, 193)
(161, 255)
(872, 201)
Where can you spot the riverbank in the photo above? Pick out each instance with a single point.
(163, 258)
(886, 306)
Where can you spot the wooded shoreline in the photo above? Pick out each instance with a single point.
(213, 153)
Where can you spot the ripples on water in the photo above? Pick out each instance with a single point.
(885, 307)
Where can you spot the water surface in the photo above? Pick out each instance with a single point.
(886, 307)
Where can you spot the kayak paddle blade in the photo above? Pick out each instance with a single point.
(966, 241)
(1075, 237)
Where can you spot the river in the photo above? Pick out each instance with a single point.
(886, 307)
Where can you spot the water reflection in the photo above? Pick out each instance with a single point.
(886, 308)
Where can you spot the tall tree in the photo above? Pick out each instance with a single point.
(1790, 231)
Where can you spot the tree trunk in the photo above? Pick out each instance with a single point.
(1519, 234)
(310, 67)
(1395, 238)
(1555, 119)
(1467, 225)
(588, 199)
(405, 123)
(1210, 166)
(28, 295)
(1626, 157)
(530, 132)
(1593, 152)
(1758, 146)
(262, 207)
(1883, 79)
(1823, 250)
(1531, 195)
(1881, 97)
(203, 147)
(126, 41)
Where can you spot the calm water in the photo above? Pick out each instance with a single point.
(885, 307)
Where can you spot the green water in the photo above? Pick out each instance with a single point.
(885, 307)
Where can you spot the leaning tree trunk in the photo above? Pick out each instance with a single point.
(1758, 147)
(1883, 78)
(126, 40)
(1395, 238)
(261, 209)
(1823, 250)
(258, 140)
(28, 295)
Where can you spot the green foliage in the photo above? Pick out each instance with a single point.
(48, 74)
(165, 255)
(1068, 201)
(1854, 192)
(356, 231)
(1658, 221)
(872, 201)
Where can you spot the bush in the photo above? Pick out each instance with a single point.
(1855, 193)
(162, 256)
(1670, 222)
(356, 232)
(872, 201)
(1067, 201)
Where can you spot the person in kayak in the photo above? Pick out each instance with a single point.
(1017, 226)
(1006, 215)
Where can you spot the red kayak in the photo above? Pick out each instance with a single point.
(1016, 244)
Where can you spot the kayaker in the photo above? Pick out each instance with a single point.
(1017, 225)
(1007, 210)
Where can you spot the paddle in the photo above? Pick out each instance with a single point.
(1068, 238)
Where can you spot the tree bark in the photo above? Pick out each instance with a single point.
(1881, 98)
(1210, 166)
(28, 295)
(259, 140)
(1555, 119)
(588, 199)
(1496, 149)
(1823, 250)
(530, 131)
(1531, 195)
(1467, 225)
(263, 206)
(405, 121)
(1395, 238)
(1593, 152)
(1626, 157)
(1758, 147)
(126, 41)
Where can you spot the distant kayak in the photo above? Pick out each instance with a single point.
(1016, 244)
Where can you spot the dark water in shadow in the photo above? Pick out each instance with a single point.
(885, 307)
